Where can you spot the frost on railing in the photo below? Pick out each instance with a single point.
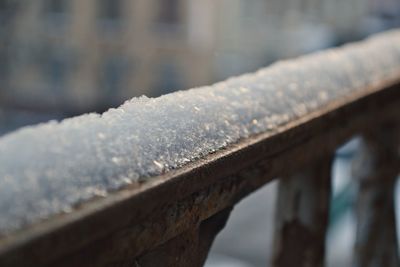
(47, 169)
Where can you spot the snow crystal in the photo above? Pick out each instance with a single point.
(49, 168)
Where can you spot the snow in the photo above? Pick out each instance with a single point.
(49, 168)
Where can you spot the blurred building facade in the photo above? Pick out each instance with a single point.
(92, 54)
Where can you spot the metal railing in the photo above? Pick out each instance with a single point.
(172, 218)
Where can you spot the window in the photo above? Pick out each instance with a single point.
(56, 6)
(55, 14)
(169, 78)
(169, 12)
(3, 7)
(112, 73)
(8, 11)
(110, 16)
(55, 68)
(110, 9)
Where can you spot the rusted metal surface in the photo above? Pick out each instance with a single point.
(143, 217)
(302, 216)
(190, 248)
(165, 223)
(91, 156)
(92, 228)
(376, 169)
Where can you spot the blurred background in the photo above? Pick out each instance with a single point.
(61, 58)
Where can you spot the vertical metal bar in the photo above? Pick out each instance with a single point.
(302, 216)
(188, 249)
(376, 169)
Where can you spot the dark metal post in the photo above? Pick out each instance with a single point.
(188, 249)
(376, 169)
(302, 216)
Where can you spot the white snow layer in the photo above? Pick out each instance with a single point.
(48, 168)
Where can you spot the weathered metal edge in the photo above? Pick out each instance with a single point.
(78, 228)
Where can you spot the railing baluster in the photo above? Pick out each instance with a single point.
(376, 169)
(302, 216)
(188, 249)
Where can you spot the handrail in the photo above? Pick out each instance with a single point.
(179, 211)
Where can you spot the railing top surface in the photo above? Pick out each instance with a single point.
(54, 168)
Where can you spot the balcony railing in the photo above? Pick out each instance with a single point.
(153, 182)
